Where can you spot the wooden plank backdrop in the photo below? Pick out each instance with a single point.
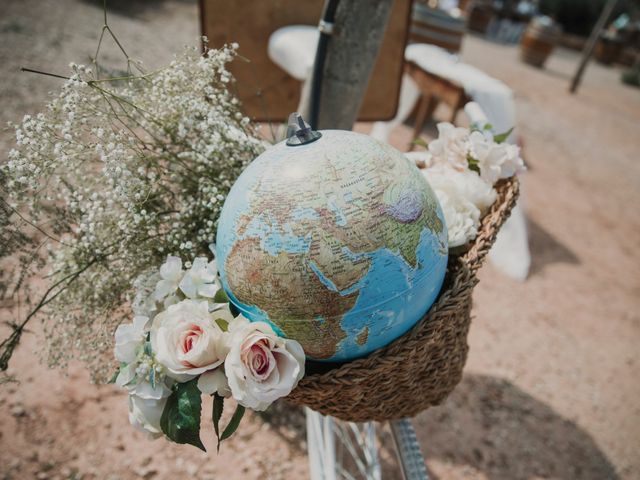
(267, 92)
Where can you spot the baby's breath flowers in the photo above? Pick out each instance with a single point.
(116, 174)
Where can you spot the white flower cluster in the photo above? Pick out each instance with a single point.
(123, 172)
(184, 330)
(462, 166)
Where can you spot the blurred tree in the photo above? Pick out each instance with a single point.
(580, 16)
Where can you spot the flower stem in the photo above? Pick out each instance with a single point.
(40, 72)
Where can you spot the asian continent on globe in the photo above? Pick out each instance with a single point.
(339, 244)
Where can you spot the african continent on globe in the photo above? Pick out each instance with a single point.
(339, 244)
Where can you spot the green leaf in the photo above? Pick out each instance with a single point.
(501, 137)
(221, 296)
(216, 415)
(114, 376)
(223, 324)
(152, 378)
(474, 164)
(116, 373)
(233, 424)
(180, 420)
(234, 310)
(478, 127)
(420, 142)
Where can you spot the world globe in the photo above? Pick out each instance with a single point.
(339, 244)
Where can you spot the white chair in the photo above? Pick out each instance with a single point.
(293, 49)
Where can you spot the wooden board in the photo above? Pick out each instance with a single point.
(267, 92)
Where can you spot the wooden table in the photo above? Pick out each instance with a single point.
(434, 89)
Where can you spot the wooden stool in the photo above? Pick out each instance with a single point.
(434, 89)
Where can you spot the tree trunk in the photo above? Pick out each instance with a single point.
(351, 54)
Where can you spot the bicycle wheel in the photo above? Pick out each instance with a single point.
(341, 450)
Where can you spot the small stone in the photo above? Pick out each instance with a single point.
(146, 472)
(192, 469)
(18, 411)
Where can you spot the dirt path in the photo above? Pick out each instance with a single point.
(551, 387)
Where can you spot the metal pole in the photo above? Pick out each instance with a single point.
(591, 43)
(356, 36)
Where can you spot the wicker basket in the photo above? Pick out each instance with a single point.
(419, 369)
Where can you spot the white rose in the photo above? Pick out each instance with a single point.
(261, 367)
(456, 192)
(474, 189)
(451, 146)
(495, 160)
(466, 183)
(187, 340)
(461, 217)
(145, 414)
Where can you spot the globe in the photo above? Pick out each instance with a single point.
(339, 244)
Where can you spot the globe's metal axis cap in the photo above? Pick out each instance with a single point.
(299, 132)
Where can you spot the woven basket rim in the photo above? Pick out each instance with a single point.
(461, 271)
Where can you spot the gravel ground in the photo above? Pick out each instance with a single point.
(551, 387)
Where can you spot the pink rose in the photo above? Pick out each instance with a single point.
(261, 367)
(187, 340)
